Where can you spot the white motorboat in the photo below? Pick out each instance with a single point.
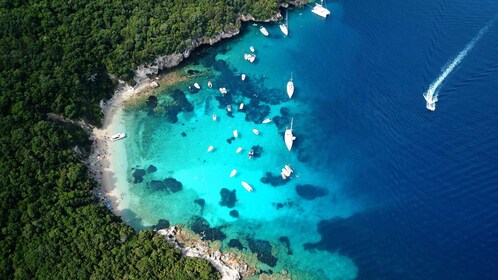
(290, 87)
(289, 137)
(197, 86)
(118, 136)
(319, 9)
(285, 172)
(223, 90)
(284, 27)
(266, 120)
(210, 85)
(239, 149)
(233, 173)
(247, 186)
(229, 108)
(210, 149)
(250, 57)
(251, 48)
(236, 133)
(241, 106)
(214, 117)
(264, 31)
(255, 131)
(243, 77)
(283, 175)
(288, 168)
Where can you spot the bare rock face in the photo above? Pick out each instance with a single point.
(230, 266)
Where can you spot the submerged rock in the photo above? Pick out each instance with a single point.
(173, 185)
(286, 242)
(310, 192)
(274, 180)
(152, 102)
(228, 198)
(262, 249)
(162, 223)
(138, 175)
(184, 134)
(192, 72)
(200, 226)
(201, 202)
(151, 169)
(258, 150)
(180, 104)
(235, 243)
(234, 213)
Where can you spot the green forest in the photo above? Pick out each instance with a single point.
(58, 57)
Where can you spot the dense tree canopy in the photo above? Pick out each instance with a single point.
(56, 57)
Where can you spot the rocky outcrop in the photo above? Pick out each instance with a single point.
(231, 266)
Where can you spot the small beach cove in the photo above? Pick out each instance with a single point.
(162, 170)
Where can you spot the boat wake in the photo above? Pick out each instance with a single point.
(431, 94)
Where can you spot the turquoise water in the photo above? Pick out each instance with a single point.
(401, 192)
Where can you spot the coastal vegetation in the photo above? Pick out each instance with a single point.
(59, 58)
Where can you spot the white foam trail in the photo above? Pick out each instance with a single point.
(431, 94)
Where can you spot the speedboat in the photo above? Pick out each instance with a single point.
(241, 106)
(264, 31)
(236, 133)
(197, 86)
(247, 186)
(243, 77)
(210, 85)
(266, 120)
(233, 173)
(251, 48)
(118, 136)
(289, 137)
(255, 131)
(210, 148)
(214, 117)
(290, 87)
(320, 10)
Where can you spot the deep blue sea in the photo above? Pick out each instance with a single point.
(406, 193)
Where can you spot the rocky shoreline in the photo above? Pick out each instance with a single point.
(230, 265)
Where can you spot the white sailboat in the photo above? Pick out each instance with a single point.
(290, 87)
(264, 31)
(289, 137)
(319, 9)
(285, 27)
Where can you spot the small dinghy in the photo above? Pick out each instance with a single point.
(210, 149)
(214, 117)
(239, 149)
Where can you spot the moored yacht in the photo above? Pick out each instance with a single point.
(289, 137)
(319, 9)
(197, 86)
(284, 27)
(264, 31)
(233, 173)
(290, 87)
(247, 186)
(266, 120)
